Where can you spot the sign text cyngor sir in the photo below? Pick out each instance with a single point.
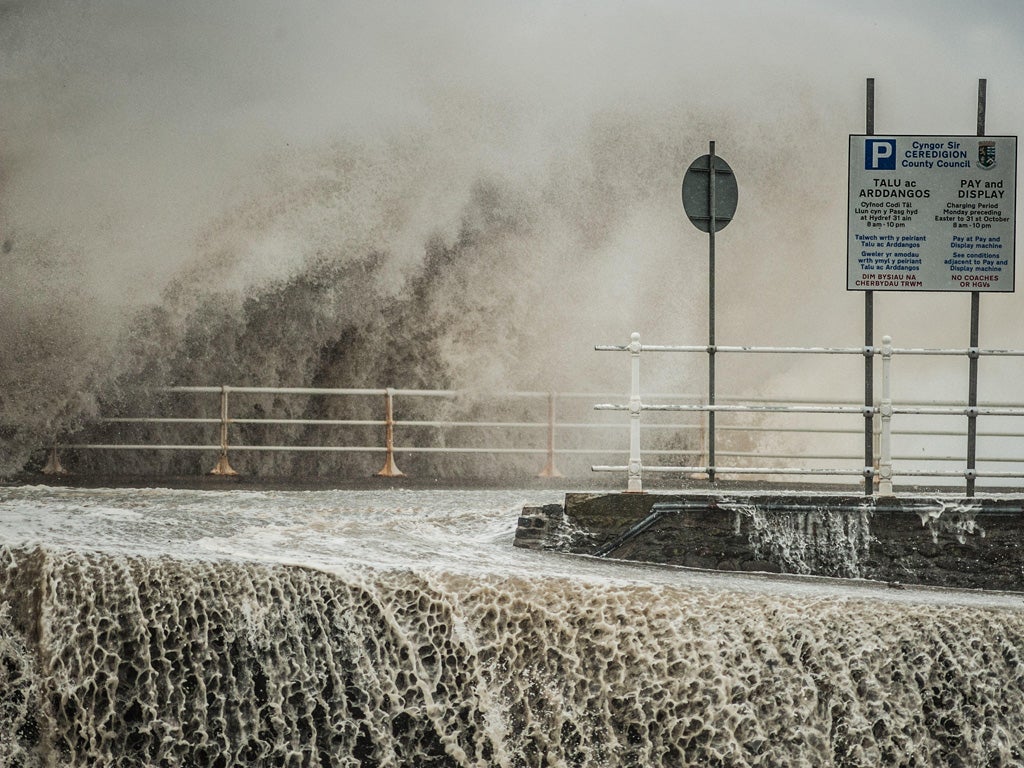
(931, 213)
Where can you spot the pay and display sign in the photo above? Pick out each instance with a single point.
(931, 213)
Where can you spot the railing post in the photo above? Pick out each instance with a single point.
(635, 469)
(550, 470)
(390, 469)
(971, 474)
(223, 466)
(869, 401)
(876, 445)
(702, 459)
(885, 463)
(53, 465)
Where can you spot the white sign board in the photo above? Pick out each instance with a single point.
(931, 213)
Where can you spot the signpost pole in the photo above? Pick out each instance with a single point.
(972, 384)
(711, 309)
(869, 335)
(710, 208)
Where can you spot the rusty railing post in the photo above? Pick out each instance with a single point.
(53, 465)
(550, 470)
(223, 466)
(634, 480)
(390, 469)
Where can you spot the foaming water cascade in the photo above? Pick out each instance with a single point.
(190, 628)
(957, 519)
(818, 539)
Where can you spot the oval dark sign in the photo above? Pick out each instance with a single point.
(697, 192)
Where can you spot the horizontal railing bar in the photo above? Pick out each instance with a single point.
(397, 449)
(822, 456)
(447, 449)
(706, 348)
(791, 350)
(860, 411)
(819, 401)
(432, 449)
(566, 424)
(959, 473)
(960, 459)
(490, 424)
(328, 391)
(619, 452)
(376, 392)
(957, 411)
(906, 401)
(876, 350)
(829, 457)
(780, 471)
(329, 448)
(960, 352)
(557, 425)
(718, 470)
(155, 420)
(798, 430)
(559, 395)
(273, 390)
(772, 455)
(357, 449)
(147, 447)
(309, 422)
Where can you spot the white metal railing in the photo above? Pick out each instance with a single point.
(882, 474)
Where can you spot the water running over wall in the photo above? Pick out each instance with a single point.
(134, 660)
(943, 541)
(819, 539)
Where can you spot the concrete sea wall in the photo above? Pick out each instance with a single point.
(933, 540)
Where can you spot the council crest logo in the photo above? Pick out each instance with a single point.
(986, 154)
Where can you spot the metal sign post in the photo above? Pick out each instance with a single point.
(931, 213)
(709, 198)
(972, 372)
(869, 336)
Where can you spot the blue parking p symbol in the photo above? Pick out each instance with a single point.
(880, 154)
